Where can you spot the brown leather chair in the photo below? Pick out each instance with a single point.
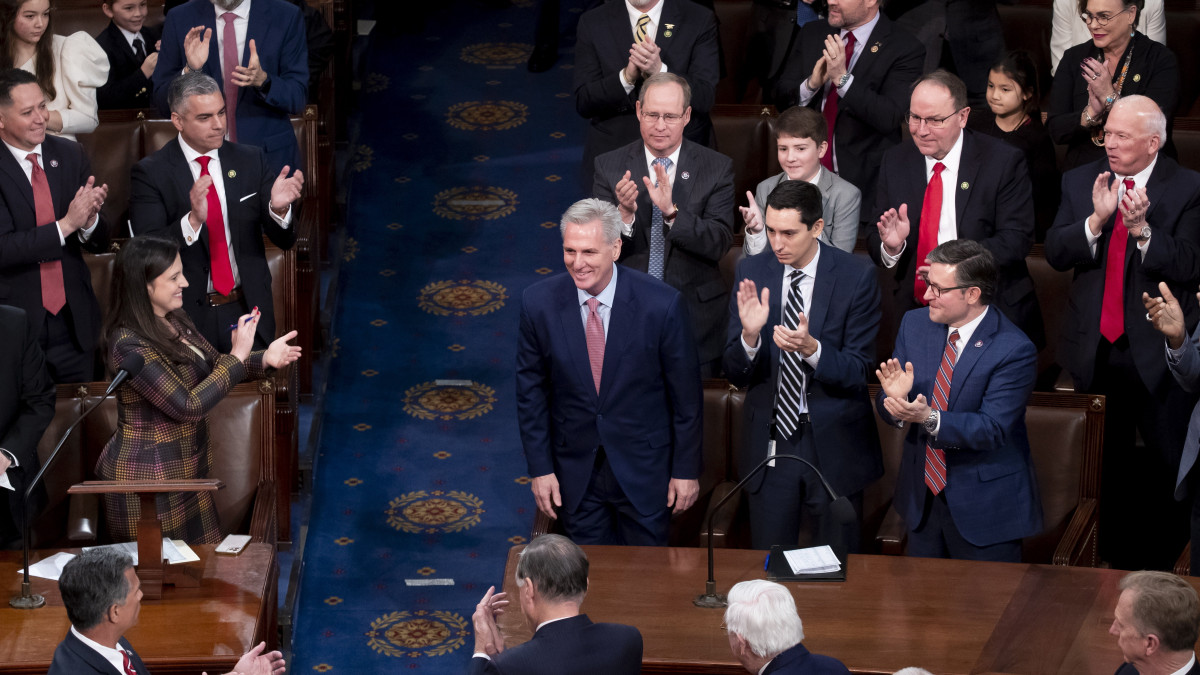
(1053, 288)
(743, 133)
(733, 21)
(113, 148)
(101, 267)
(1183, 38)
(282, 265)
(1187, 141)
(1066, 435)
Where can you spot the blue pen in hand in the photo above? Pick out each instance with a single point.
(248, 319)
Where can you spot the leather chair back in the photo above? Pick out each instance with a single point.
(101, 267)
(877, 497)
(743, 133)
(157, 133)
(733, 22)
(113, 149)
(1053, 289)
(50, 528)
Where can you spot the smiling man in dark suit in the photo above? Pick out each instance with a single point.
(132, 49)
(217, 199)
(49, 214)
(948, 183)
(608, 392)
(676, 204)
(806, 370)
(960, 376)
(552, 581)
(623, 43)
(855, 67)
(1127, 223)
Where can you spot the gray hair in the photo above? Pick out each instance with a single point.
(91, 582)
(187, 85)
(557, 565)
(764, 614)
(912, 670)
(659, 79)
(1154, 122)
(590, 210)
(1164, 605)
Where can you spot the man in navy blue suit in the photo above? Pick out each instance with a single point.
(965, 486)
(218, 36)
(552, 581)
(1156, 623)
(765, 631)
(833, 343)
(608, 391)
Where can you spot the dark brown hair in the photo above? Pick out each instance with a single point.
(802, 122)
(140, 261)
(44, 57)
(1018, 66)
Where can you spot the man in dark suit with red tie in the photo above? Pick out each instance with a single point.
(948, 183)
(217, 199)
(1127, 223)
(132, 49)
(49, 214)
(856, 67)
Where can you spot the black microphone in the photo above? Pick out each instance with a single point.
(841, 512)
(130, 367)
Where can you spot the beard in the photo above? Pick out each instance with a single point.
(227, 5)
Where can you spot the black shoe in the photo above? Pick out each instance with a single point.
(542, 59)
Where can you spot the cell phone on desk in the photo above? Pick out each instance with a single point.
(233, 544)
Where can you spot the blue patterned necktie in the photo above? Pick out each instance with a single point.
(658, 242)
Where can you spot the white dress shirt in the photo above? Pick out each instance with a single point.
(191, 236)
(130, 37)
(948, 223)
(655, 14)
(965, 332)
(1139, 181)
(27, 166)
(113, 656)
(604, 309)
(627, 228)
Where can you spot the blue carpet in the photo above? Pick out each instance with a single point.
(462, 165)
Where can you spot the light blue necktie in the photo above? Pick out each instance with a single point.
(658, 243)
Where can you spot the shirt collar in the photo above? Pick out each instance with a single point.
(107, 652)
(809, 270)
(1140, 178)
(966, 330)
(654, 13)
(242, 11)
(190, 154)
(605, 296)
(674, 157)
(20, 154)
(863, 32)
(545, 623)
(130, 37)
(952, 160)
(1191, 662)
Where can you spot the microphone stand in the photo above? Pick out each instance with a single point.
(27, 599)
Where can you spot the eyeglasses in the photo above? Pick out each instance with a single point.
(931, 122)
(938, 290)
(670, 118)
(1103, 17)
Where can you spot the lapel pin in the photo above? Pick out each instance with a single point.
(965, 185)
(54, 163)
(232, 174)
(686, 175)
(667, 34)
(1137, 77)
(875, 48)
(979, 343)
(670, 27)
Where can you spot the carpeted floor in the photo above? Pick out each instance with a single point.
(462, 165)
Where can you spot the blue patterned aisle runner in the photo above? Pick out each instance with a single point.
(463, 165)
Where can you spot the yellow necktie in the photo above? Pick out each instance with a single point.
(639, 35)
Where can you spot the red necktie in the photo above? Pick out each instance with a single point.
(1112, 310)
(935, 458)
(54, 296)
(594, 332)
(230, 57)
(128, 665)
(830, 111)
(931, 218)
(218, 248)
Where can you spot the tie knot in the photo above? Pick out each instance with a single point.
(953, 337)
(850, 39)
(1128, 183)
(592, 304)
(796, 276)
(32, 158)
(664, 162)
(229, 17)
(938, 168)
(203, 161)
(643, 20)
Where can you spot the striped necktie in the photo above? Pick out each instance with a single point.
(639, 33)
(792, 378)
(935, 458)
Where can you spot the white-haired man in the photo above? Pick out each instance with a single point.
(765, 632)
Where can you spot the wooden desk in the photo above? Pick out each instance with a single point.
(190, 630)
(947, 616)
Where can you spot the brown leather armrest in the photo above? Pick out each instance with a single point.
(263, 527)
(892, 533)
(1065, 383)
(1183, 566)
(83, 518)
(1078, 544)
(541, 525)
(722, 520)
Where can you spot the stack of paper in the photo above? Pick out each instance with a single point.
(173, 551)
(815, 560)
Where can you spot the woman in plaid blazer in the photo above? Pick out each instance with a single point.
(162, 432)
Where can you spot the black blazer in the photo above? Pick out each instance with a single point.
(691, 50)
(158, 200)
(1173, 256)
(26, 406)
(872, 112)
(127, 86)
(72, 657)
(695, 244)
(23, 245)
(573, 646)
(994, 208)
(1130, 669)
(797, 660)
(1153, 72)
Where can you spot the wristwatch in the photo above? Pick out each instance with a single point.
(1144, 235)
(674, 212)
(931, 422)
(843, 80)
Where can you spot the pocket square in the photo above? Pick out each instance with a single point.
(247, 197)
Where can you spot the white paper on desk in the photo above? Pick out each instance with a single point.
(49, 568)
(185, 552)
(170, 552)
(815, 560)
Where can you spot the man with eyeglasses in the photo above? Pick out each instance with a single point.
(1126, 224)
(855, 66)
(676, 203)
(621, 45)
(952, 183)
(959, 377)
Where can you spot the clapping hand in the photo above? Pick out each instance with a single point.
(285, 190)
(488, 638)
(84, 206)
(1165, 314)
(752, 310)
(660, 194)
(251, 74)
(279, 353)
(627, 192)
(893, 229)
(752, 215)
(896, 381)
(195, 47)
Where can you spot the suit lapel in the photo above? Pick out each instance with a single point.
(51, 161)
(871, 52)
(573, 332)
(822, 294)
(681, 189)
(622, 318)
(969, 354)
(9, 165)
(968, 167)
(121, 46)
(636, 161)
(91, 656)
(671, 15)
